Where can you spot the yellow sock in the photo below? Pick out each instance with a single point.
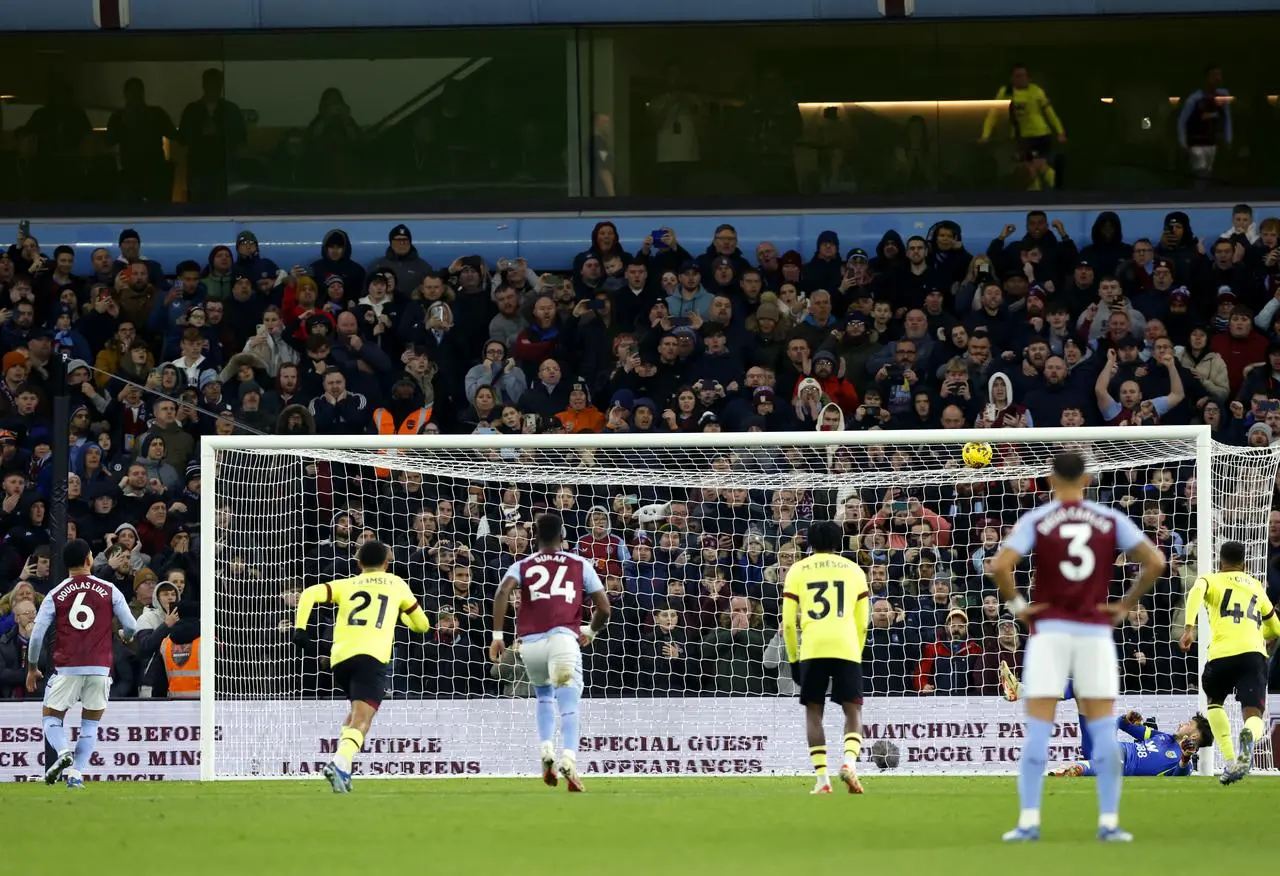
(1221, 731)
(348, 747)
(818, 754)
(852, 748)
(1255, 726)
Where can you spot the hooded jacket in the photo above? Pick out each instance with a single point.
(152, 617)
(1108, 250)
(507, 385)
(953, 264)
(345, 267)
(1184, 255)
(883, 264)
(162, 470)
(1010, 408)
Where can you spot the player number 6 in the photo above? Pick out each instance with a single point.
(81, 615)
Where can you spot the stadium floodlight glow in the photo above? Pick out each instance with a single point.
(277, 512)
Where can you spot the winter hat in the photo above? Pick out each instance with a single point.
(807, 383)
(249, 386)
(856, 316)
(829, 236)
(824, 355)
(646, 402)
(129, 234)
(721, 262)
(193, 471)
(400, 230)
(580, 385)
(791, 257)
(857, 254)
(1263, 428)
(12, 359)
(73, 365)
(307, 283)
(334, 280)
(768, 310)
(685, 331)
(144, 574)
(246, 236)
(623, 397)
(762, 394)
(209, 377)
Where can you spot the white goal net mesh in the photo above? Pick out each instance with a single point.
(692, 543)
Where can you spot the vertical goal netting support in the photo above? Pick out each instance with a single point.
(692, 535)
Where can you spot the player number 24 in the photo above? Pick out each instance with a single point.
(1236, 613)
(363, 600)
(538, 588)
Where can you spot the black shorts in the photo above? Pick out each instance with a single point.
(1243, 674)
(842, 677)
(1032, 148)
(361, 677)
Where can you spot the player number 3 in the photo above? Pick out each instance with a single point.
(1081, 562)
(81, 615)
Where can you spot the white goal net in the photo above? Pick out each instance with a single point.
(692, 535)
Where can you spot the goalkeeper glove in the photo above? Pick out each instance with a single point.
(795, 671)
(301, 639)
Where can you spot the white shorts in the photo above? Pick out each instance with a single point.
(1054, 658)
(555, 660)
(64, 691)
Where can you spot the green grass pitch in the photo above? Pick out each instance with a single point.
(660, 827)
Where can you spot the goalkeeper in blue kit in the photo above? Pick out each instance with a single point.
(1152, 753)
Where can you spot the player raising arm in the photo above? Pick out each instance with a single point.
(364, 630)
(826, 596)
(79, 610)
(1073, 544)
(550, 634)
(1242, 619)
(1152, 753)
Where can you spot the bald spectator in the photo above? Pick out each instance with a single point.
(1131, 409)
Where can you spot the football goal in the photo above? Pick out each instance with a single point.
(693, 535)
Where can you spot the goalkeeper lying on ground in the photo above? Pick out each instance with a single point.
(1153, 753)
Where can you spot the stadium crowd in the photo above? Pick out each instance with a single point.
(647, 336)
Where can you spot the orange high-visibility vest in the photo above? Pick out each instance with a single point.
(412, 425)
(182, 665)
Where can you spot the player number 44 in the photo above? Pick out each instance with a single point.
(1237, 613)
(81, 615)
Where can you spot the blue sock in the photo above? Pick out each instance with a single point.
(54, 733)
(1086, 740)
(85, 744)
(567, 698)
(1109, 767)
(546, 713)
(1035, 758)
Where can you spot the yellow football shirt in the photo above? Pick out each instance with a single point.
(369, 605)
(826, 596)
(1241, 617)
(1030, 113)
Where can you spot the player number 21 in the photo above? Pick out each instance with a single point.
(362, 600)
(538, 588)
(1080, 561)
(822, 603)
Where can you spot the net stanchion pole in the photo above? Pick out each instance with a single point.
(1205, 551)
(209, 587)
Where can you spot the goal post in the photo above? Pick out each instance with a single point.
(692, 533)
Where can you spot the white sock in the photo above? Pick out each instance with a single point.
(1108, 822)
(1029, 818)
(548, 750)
